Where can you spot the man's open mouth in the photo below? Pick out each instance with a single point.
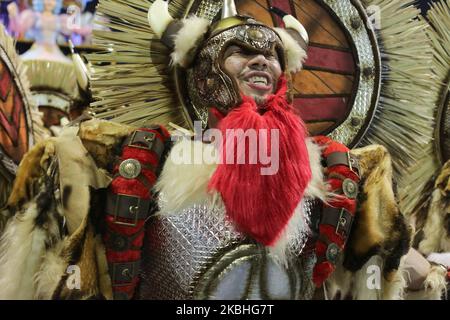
(260, 81)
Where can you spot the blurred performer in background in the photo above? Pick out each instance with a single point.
(60, 90)
(81, 22)
(53, 76)
(43, 24)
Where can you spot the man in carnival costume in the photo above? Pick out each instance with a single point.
(266, 212)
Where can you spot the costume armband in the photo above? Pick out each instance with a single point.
(342, 177)
(128, 205)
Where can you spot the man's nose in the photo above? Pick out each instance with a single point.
(258, 62)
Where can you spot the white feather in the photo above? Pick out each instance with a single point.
(194, 28)
(294, 52)
(158, 17)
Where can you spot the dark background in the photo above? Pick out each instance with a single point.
(424, 5)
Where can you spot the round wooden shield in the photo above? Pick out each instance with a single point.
(15, 119)
(337, 91)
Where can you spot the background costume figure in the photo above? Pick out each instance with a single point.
(52, 75)
(44, 25)
(81, 22)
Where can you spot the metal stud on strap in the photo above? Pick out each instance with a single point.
(130, 168)
(123, 273)
(350, 188)
(332, 252)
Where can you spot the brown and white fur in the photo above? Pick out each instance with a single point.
(380, 235)
(52, 228)
(38, 246)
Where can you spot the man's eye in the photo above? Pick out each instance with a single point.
(272, 56)
(237, 52)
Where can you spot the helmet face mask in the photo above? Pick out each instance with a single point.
(209, 84)
(198, 45)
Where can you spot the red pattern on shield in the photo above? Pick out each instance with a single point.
(13, 122)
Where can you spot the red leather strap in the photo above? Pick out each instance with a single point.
(343, 180)
(128, 205)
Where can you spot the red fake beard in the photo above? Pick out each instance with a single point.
(261, 206)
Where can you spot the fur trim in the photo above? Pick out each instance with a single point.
(82, 249)
(316, 187)
(78, 173)
(99, 137)
(35, 227)
(395, 284)
(184, 184)
(33, 165)
(51, 271)
(22, 247)
(435, 234)
(379, 225)
(33, 257)
(379, 230)
(187, 40)
(344, 284)
(294, 53)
